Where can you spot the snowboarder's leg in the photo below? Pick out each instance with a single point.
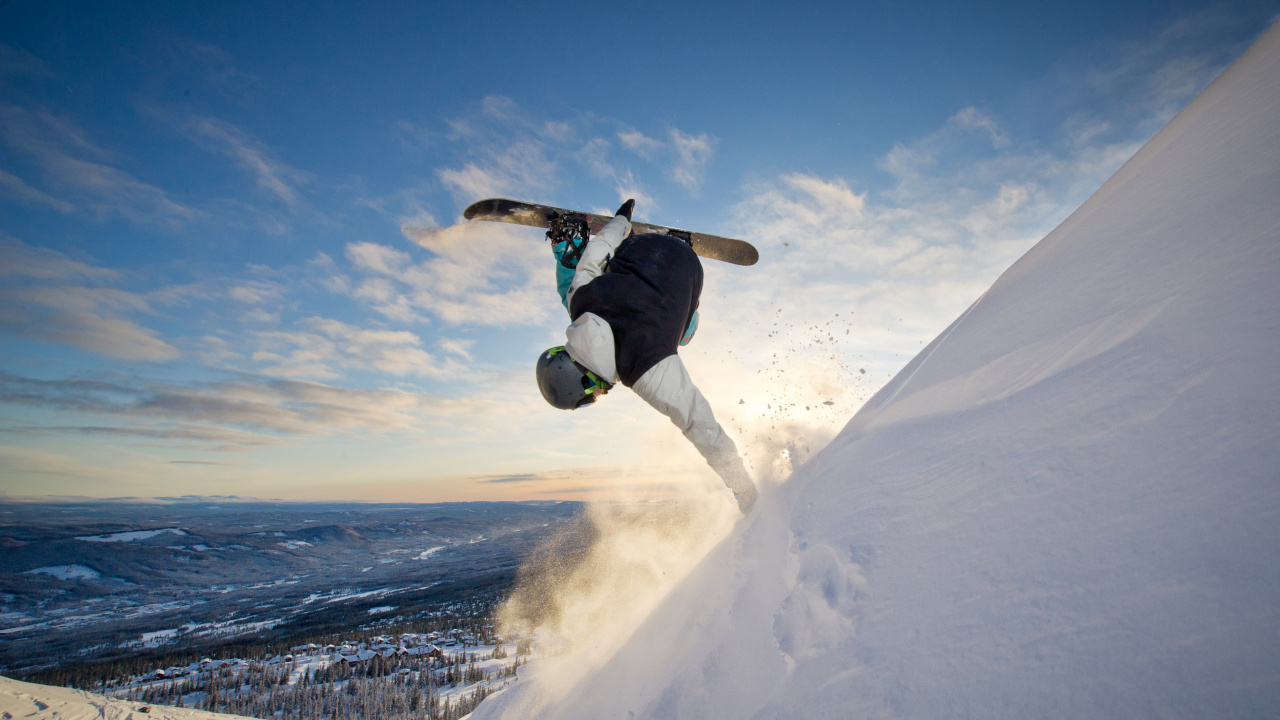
(564, 278)
(567, 245)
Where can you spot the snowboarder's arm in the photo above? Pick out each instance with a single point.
(589, 341)
(594, 258)
(668, 388)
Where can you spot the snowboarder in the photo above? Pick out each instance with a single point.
(633, 300)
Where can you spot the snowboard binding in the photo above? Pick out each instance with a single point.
(571, 230)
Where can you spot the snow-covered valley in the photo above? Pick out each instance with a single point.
(90, 580)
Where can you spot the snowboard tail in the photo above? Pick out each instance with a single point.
(730, 250)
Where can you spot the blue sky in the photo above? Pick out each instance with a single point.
(231, 266)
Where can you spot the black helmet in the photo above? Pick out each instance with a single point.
(566, 384)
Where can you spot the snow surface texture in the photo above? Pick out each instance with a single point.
(42, 702)
(1068, 505)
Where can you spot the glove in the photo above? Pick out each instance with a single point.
(626, 209)
(736, 477)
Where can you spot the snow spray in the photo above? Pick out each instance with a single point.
(581, 596)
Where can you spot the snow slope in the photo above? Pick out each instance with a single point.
(43, 702)
(1068, 505)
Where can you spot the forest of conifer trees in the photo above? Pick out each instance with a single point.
(388, 688)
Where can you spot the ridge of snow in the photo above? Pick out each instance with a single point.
(1067, 505)
(66, 572)
(132, 535)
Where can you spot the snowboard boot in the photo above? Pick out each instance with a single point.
(626, 209)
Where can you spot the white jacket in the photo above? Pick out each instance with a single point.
(667, 385)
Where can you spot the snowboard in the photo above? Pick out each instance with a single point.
(738, 252)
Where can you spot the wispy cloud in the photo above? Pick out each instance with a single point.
(510, 152)
(19, 260)
(417, 137)
(52, 298)
(263, 299)
(27, 195)
(693, 152)
(500, 286)
(18, 62)
(461, 348)
(1160, 71)
(476, 275)
(274, 176)
(79, 174)
(256, 292)
(87, 318)
(280, 406)
(971, 117)
(178, 434)
(406, 206)
(928, 157)
(1110, 90)
(639, 143)
(595, 155)
(684, 155)
(327, 346)
(628, 187)
(521, 478)
(520, 170)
